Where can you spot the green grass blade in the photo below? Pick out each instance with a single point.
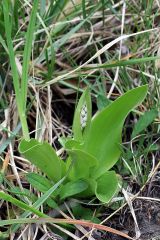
(20, 204)
(30, 209)
(19, 100)
(27, 52)
(122, 63)
(84, 9)
(60, 42)
(39, 202)
(8, 31)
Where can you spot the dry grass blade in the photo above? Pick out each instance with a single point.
(137, 230)
(102, 50)
(68, 221)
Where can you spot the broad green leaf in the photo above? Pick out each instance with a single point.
(39, 182)
(107, 186)
(90, 191)
(72, 144)
(51, 203)
(43, 156)
(144, 122)
(104, 138)
(83, 164)
(72, 188)
(84, 103)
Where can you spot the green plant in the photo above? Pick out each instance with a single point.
(92, 151)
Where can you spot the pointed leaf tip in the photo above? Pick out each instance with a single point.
(104, 137)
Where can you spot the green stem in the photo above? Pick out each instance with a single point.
(23, 120)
